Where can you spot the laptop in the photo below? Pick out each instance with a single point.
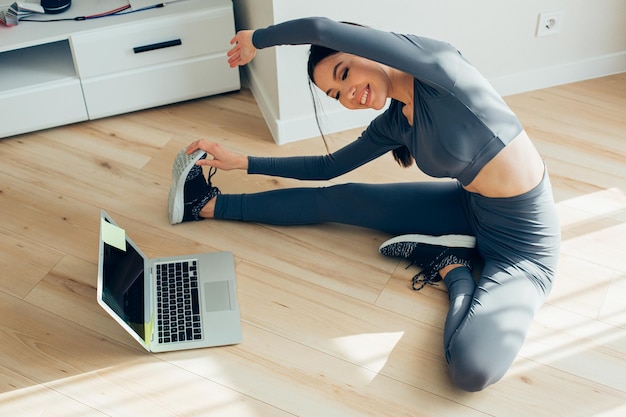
(166, 304)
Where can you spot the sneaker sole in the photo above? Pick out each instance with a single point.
(176, 198)
(449, 241)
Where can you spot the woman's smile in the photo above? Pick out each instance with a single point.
(364, 96)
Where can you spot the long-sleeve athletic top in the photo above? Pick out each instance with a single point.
(459, 122)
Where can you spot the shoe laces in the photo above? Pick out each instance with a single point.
(212, 171)
(201, 202)
(429, 275)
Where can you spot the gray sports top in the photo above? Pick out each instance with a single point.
(459, 123)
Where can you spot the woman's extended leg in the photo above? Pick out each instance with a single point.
(423, 207)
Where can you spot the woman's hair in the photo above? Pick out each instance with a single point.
(317, 53)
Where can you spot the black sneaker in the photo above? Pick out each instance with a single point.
(431, 253)
(190, 190)
(194, 201)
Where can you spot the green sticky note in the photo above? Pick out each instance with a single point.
(148, 329)
(113, 235)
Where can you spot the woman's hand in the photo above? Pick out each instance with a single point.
(222, 158)
(243, 51)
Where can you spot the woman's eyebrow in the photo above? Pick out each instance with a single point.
(335, 70)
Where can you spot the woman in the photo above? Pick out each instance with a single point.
(447, 118)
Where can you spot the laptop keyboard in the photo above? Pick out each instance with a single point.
(178, 305)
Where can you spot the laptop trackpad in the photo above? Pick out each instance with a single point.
(217, 296)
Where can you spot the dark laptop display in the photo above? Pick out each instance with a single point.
(123, 285)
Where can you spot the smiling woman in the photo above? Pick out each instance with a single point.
(357, 95)
(443, 114)
(320, 58)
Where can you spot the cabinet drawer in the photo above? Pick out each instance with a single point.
(153, 42)
(41, 107)
(167, 83)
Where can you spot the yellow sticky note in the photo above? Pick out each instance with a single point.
(148, 329)
(113, 235)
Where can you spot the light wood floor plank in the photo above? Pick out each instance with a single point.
(43, 347)
(68, 291)
(21, 277)
(138, 388)
(38, 400)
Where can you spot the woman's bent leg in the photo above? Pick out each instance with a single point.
(425, 207)
(519, 240)
(485, 330)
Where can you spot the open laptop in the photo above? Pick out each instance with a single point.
(196, 309)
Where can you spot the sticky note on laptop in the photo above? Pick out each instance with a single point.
(113, 235)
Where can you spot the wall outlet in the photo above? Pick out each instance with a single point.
(549, 23)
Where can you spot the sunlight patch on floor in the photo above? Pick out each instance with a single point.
(580, 213)
(146, 386)
(369, 350)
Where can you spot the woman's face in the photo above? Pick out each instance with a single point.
(358, 83)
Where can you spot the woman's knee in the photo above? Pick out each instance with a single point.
(473, 376)
(479, 355)
(482, 351)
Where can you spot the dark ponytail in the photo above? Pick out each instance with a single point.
(403, 156)
(316, 54)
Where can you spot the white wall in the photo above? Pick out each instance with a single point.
(498, 37)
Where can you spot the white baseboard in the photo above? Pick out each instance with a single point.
(285, 131)
(560, 74)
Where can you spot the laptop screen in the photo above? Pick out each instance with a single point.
(123, 285)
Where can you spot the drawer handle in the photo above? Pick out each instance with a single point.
(155, 46)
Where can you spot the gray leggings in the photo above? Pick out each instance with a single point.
(518, 239)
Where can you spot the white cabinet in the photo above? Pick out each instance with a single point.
(39, 89)
(86, 70)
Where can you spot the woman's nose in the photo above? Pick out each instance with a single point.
(349, 94)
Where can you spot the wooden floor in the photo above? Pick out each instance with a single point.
(331, 327)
